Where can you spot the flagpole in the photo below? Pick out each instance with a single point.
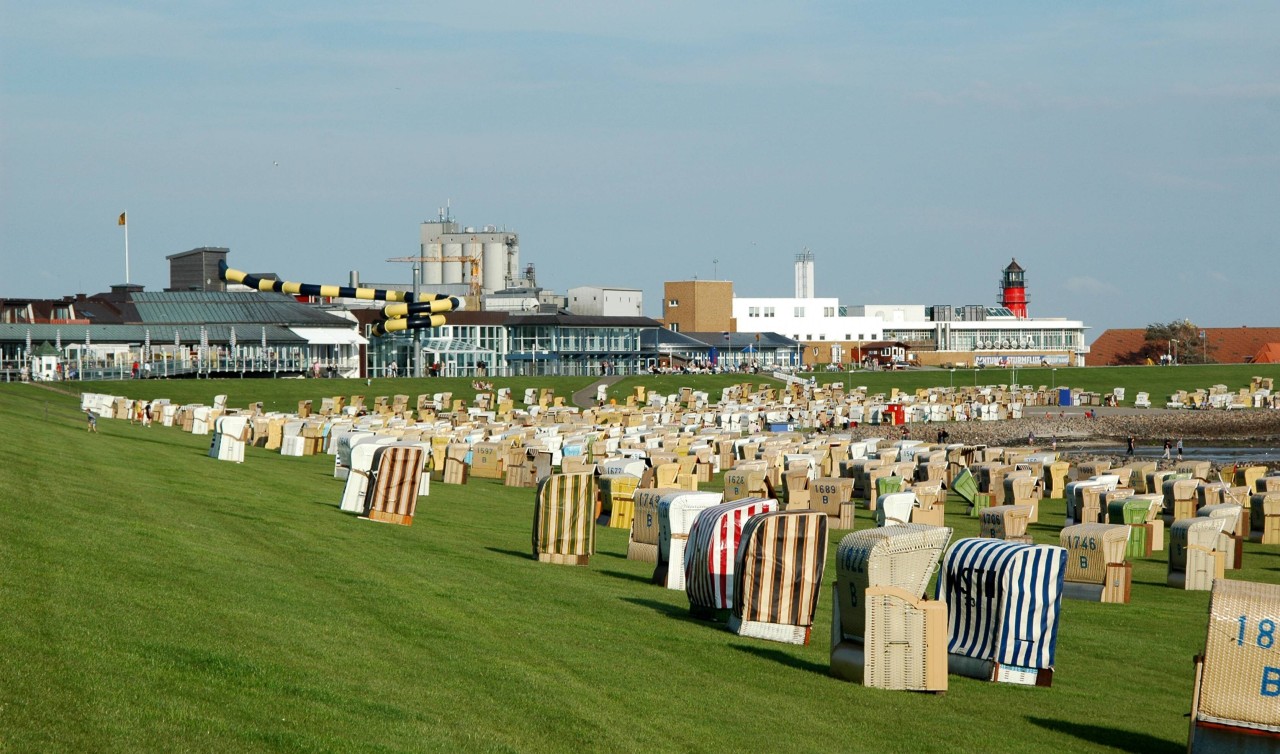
(125, 215)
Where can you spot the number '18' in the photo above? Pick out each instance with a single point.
(1266, 632)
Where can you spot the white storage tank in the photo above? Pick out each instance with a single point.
(452, 268)
(494, 266)
(432, 274)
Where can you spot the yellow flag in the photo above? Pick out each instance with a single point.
(121, 219)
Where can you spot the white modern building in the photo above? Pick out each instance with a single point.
(598, 301)
(942, 334)
(806, 319)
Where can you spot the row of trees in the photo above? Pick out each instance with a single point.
(1180, 342)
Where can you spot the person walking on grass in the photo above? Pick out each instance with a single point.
(93, 420)
(1168, 446)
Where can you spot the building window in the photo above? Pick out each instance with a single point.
(675, 327)
(799, 311)
(809, 336)
(848, 336)
(822, 336)
(673, 302)
(828, 311)
(753, 311)
(768, 311)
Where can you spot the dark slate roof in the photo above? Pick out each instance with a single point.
(200, 250)
(1014, 266)
(100, 311)
(739, 340)
(581, 320)
(669, 340)
(217, 307)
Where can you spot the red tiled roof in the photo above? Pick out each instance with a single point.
(1227, 345)
(1268, 354)
(1111, 344)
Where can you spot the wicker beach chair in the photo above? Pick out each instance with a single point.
(564, 525)
(228, 438)
(642, 543)
(1006, 522)
(778, 567)
(1233, 705)
(884, 632)
(676, 513)
(615, 506)
(1096, 567)
(1264, 516)
(893, 508)
(1195, 561)
(1234, 531)
(740, 483)
(395, 481)
(709, 558)
(1133, 513)
(1003, 602)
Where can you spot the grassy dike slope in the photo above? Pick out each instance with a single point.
(1157, 381)
(156, 599)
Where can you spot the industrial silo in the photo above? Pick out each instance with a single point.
(452, 268)
(494, 264)
(431, 250)
(431, 271)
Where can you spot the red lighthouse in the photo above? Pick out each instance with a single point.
(1013, 289)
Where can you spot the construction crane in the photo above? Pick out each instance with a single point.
(475, 286)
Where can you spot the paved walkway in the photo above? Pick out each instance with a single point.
(586, 397)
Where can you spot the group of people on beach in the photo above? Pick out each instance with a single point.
(140, 413)
(1169, 447)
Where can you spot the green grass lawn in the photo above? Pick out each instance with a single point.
(284, 394)
(1157, 381)
(156, 599)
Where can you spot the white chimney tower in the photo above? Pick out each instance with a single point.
(804, 274)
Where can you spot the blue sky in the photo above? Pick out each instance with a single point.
(1127, 154)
